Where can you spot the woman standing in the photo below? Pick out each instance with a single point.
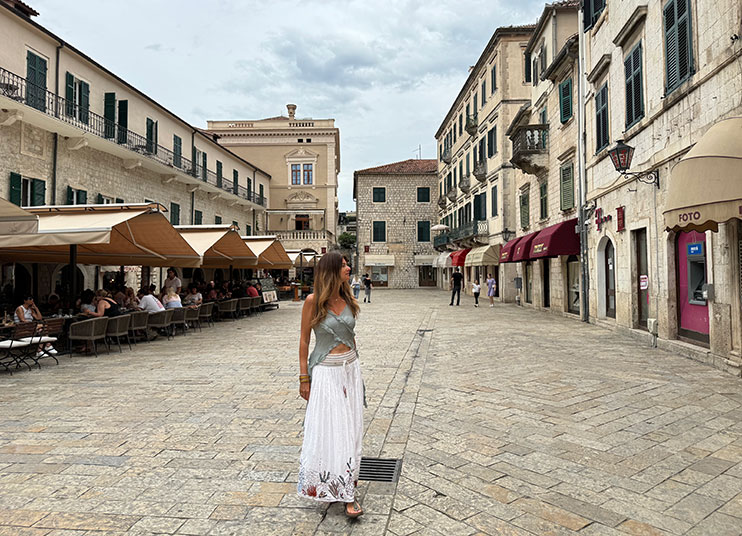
(476, 289)
(491, 289)
(355, 284)
(333, 426)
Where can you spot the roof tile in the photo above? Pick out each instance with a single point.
(405, 167)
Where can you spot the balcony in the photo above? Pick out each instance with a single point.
(452, 194)
(447, 156)
(56, 114)
(531, 148)
(480, 170)
(303, 235)
(470, 230)
(471, 125)
(442, 202)
(441, 240)
(465, 185)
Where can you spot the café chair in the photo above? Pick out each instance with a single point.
(205, 314)
(192, 317)
(92, 330)
(178, 320)
(138, 324)
(118, 326)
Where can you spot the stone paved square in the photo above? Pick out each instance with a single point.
(508, 421)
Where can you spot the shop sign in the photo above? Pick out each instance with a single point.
(643, 282)
(695, 249)
(600, 219)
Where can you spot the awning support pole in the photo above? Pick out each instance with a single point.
(73, 275)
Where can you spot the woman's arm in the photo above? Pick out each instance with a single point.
(307, 312)
(101, 309)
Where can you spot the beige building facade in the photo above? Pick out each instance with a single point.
(476, 181)
(396, 206)
(303, 157)
(72, 132)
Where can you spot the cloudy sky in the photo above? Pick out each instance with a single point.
(386, 71)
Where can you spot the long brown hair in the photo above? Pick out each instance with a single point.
(327, 283)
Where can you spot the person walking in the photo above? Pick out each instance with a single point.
(456, 279)
(355, 284)
(476, 288)
(330, 381)
(368, 285)
(491, 289)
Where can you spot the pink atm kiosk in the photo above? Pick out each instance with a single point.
(693, 314)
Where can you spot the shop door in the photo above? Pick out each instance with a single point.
(610, 281)
(426, 276)
(546, 271)
(573, 284)
(642, 270)
(529, 282)
(496, 273)
(693, 313)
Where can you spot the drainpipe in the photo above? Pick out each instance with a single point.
(584, 212)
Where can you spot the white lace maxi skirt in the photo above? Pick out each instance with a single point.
(333, 431)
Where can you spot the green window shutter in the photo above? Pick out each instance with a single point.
(16, 184)
(262, 200)
(566, 188)
(483, 205)
(177, 151)
(601, 118)
(84, 102)
(524, 209)
(565, 100)
(204, 167)
(235, 182)
(544, 199)
(70, 196)
(194, 161)
(217, 220)
(69, 94)
(493, 195)
(197, 217)
(123, 121)
(685, 51)
(150, 135)
(99, 199)
(218, 174)
(248, 229)
(671, 46)
(249, 186)
(81, 197)
(174, 214)
(119, 201)
(678, 43)
(36, 80)
(109, 115)
(235, 224)
(423, 231)
(638, 94)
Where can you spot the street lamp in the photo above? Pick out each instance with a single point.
(621, 156)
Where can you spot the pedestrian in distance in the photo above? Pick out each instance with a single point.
(330, 381)
(355, 284)
(476, 288)
(491, 289)
(368, 285)
(456, 279)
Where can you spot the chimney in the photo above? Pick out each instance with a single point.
(292, 110)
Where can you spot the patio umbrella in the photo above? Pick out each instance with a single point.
(218, 245)
(440, 227)
(270, 252)
(15, 220)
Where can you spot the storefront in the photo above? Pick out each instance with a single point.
(379, 268)
(442, 265)
(484, 261)
(425, 272)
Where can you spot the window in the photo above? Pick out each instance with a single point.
(566, 187)
(543, 117)
(542, 59)
(174, 214)
(524, 209)
(454, 133)
(480, 206)
(235, 224)
(601, 118)
(492, 142)
(461, 169)
(543, 190)
(235, 182)
(309, 140)
(109, 115)
(461, 124)
(379, 195)
(423, 231)
(295, 174)
(248, 229)
(217, 220)
(379, 231)
(468, 170)
(26, 192)
(77, 97)
(249, 186)
(76, 196)
(475, 104)
(261, 199)
(198, 217)
(123, 121)
(527, 66)
(493, 195)
(36, 81)
(151, 136)
(219, 174)
(204, 166)
(634, 97)
(482, 149)
(307, 173)
(678, 43)
(104, 200)
(423, 194)
(534, 71)
(565, 100)
(301, 222)
(591, 12)
(484, 92)
(177, 151)
(493, 79)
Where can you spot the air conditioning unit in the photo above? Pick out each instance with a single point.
(652, 325)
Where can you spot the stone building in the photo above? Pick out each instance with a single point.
(476, 182)
(663, 76)
(347, 223)
(544, 138)
(396, 207)
(73, 132)
(303, 157)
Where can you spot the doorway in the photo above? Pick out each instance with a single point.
(642, 272)
(529, 282)
(426, 276)
(573, 284)
(693, 313)
(610, 280)
(546, 273)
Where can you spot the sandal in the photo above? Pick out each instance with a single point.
(355, 512)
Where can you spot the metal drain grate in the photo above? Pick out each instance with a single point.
(380, 469)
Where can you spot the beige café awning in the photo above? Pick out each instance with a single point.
(270, 252)
(705, 187)
(218, 245)
(378, 260)
(424, 260)
(15, 220)
(483, 256)
(443, 260)
(137, 234)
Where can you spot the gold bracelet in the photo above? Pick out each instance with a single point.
(304, 376)
(305, 381)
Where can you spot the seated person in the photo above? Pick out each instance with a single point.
(149, 302)
(171, 300)
(105, 306)
(28, 312)
(131, 301)
(252, 291)
(193, 297)
(86, 301)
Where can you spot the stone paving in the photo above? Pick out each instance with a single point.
(509, 421)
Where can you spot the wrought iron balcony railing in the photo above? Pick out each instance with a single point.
(471, 124)
(480, 170)
(470, 229)
(19, 89)
(441, 240)
(530, 139)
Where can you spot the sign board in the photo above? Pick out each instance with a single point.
(270, 296)
(643, 282)
(695, 249)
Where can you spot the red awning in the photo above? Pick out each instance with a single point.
(559, 239)
(458, 257)
(506, 253)
(522, 251)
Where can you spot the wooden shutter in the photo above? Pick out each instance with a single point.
(685, 53)
(671, 46)
(16, 185)
(155, 136)
(493, 195)
(174, 213)
(235, 182)
(217, 220)
(197, 217)
(249, 186)
(150, 135)
(483, 205)
(69, 94)
(81, 196)
(204, 166)
(218, 174)
(36, 81)
(542, 58)
(524, 209)
(119, 201)
(123, 121)
(84, 113)
(634, 97)
(109, 115)
(566, 188)
(177, 151)
(194, 161)
(587, 14)
(70, 196)
(601, 118)
(99, 199)
(565, 100)
(476, 207)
